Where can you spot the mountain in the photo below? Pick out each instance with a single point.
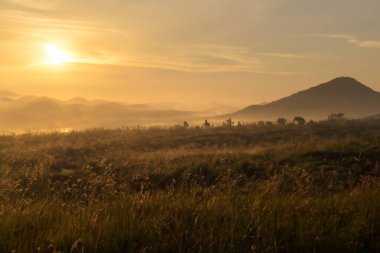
(343, 94)
(33, 113)
(8, 94)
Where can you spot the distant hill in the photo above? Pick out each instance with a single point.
(343, 94)
(8, 94)
(32, 113)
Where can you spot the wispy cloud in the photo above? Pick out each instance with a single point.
(30, 4)
(93, 40)
(297, 56)
(27, 23)
(204, 58)
(35, 30)
(351, 40)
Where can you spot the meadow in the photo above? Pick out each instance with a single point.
(249, 188)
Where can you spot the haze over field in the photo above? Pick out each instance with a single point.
(189, 52)
(341, 95)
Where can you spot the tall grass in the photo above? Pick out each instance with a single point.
(313, 188)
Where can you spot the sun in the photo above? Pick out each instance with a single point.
(55, 55)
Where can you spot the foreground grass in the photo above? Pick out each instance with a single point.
(312, 188)
(198, 221)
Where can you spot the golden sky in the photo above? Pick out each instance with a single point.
(193, 52)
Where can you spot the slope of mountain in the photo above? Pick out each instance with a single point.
(343, 94)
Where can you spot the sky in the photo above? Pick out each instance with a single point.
(235, 52)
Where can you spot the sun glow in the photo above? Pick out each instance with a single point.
(55, 55)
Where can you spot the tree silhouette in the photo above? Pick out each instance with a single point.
(281, 121)
(299, 120)
(206, 123)
(269, 123)
(229, 122)
(336, 116)
(261, 123)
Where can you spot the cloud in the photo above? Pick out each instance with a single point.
(25, 31)
(30, 4)
(124, 50)
(297, 56)
(203, 58)
(352, 40)
(27, 23)
(102, 43)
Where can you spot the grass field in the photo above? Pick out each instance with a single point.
(311, 188)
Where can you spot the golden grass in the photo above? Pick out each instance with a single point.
(314, 188)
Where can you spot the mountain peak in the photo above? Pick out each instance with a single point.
(343, 80)
(343, 84)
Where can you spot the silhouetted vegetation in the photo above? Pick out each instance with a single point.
(281, 121)
(206, 123)
(250, 188)
(336, 116)
(299, 120)
(228, 122)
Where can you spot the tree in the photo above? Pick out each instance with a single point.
(206, 124)
(269, 123)
(281, 121)
(261, 123)
(229, 122)
(336, 116)
(299, 120)
(185, 124)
